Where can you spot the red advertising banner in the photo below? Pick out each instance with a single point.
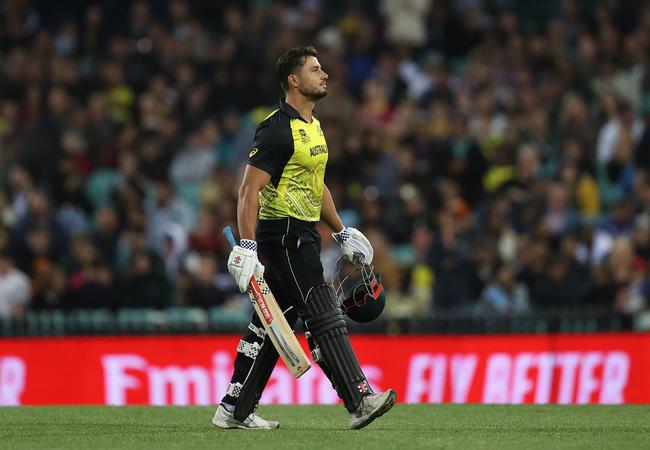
(182, 370)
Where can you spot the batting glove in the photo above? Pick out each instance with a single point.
(243, 263)
(355, 246)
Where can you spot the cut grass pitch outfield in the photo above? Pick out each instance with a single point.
(325, 427)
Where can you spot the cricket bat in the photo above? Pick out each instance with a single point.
(273, 319)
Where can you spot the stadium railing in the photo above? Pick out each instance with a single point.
(223, 320)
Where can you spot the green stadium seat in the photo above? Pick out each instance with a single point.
(128, 320)
(228, 319)
(187, 319)
(90, 321)
(103, 320)
(6, 327)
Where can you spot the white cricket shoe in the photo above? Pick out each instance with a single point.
(371, 407)
(226, 420)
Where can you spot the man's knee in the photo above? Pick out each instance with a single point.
(321, 302)
(322, 313)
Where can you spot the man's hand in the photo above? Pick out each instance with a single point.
(243, 263)
(355, 246)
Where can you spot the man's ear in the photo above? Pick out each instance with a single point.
(293, 80)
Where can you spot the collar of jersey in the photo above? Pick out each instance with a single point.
(290, 111)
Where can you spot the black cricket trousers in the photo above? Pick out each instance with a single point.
(289, 249)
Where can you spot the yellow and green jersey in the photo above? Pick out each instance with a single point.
(294, 153)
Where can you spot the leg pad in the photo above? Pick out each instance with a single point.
(327, 326)
(255, 360)
(254, 384)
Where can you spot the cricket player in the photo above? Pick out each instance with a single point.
(282, 197)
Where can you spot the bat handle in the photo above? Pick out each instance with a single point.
(230, 236)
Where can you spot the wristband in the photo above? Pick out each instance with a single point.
(248, 244)
(342, 235)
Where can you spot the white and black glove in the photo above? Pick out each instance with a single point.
(243, 263)
(355, 246)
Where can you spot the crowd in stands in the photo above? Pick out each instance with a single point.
(496, 153)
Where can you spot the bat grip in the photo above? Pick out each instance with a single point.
(230, 236)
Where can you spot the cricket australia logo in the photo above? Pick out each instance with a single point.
(303, 136)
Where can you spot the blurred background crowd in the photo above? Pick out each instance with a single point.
(495, 152)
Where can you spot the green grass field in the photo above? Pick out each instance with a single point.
(325, 427)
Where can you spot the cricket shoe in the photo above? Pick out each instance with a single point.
(226, 420)
(371, 407)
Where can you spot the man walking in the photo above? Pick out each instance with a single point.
(282, 197)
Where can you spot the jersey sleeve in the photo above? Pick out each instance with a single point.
(270, 147)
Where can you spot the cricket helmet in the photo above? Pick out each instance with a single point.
(360, 292)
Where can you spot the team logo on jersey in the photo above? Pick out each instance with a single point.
(252, 153)
(319, 130)
(303, 136)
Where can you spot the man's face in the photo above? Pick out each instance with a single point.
(312, 80)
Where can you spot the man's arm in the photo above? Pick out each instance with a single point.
(354, 245)
(248, 203)
(328, 212)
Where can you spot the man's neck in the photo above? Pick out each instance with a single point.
(300, 103)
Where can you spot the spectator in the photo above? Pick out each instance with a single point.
(38, 232)
(164, 210)
(453, 268)
(559, 218)
(20, 186)
(206, 236)
(406, 21)
(504, 295)
(145, 284)
(50, 290)
(98, 289)
(620, 225)
(195, 162)
(106, 234)
(203, 290)
(629, 276)
(623, 124)
(558, 287)
(174, 248)
(14, 289)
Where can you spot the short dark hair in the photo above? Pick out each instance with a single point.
(290, 61)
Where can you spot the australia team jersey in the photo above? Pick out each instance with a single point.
(294, 153)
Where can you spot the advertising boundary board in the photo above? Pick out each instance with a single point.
(603, 368)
